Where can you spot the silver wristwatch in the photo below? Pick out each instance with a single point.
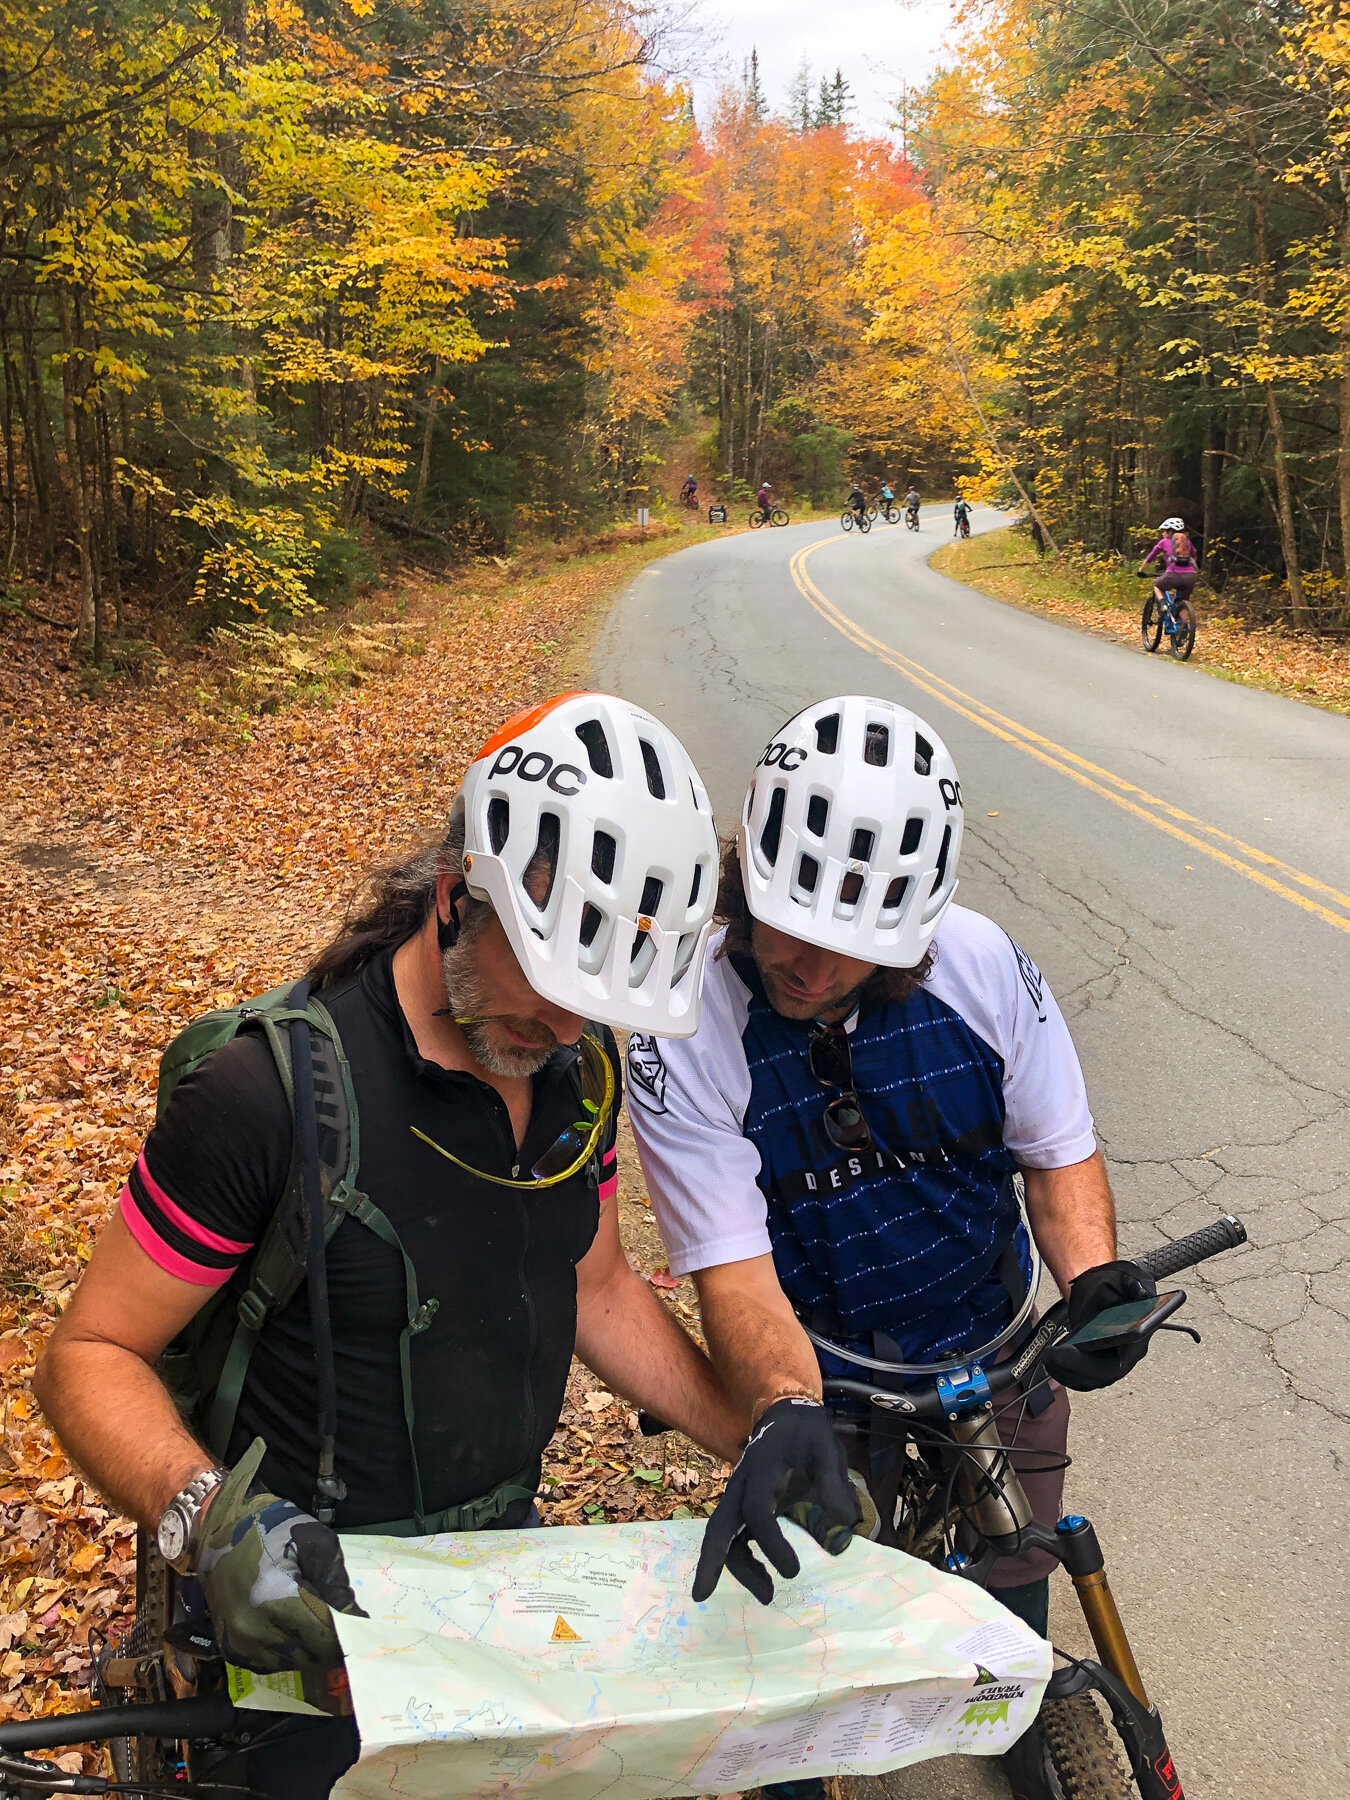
(180, 1522)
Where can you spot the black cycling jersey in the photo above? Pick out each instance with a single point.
(488, 1373)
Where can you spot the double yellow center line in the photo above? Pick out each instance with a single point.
(1244, 859)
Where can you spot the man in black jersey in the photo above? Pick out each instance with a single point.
(460, 992)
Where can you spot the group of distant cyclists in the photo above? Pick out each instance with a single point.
(858, 504)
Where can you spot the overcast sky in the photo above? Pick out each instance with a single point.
(879, 44)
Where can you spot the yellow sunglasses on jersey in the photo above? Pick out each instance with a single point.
(573, 1148)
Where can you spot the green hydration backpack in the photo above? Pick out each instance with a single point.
(206, 1365)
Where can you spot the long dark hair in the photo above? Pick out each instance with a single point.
(882, 987)
(391, 905)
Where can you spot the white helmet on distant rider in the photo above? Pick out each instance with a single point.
(1172, 525)
(605, 803)
(851, 831)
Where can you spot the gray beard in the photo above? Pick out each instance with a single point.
(464, 991)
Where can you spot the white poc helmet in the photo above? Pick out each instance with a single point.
(852, 829)
(608, 801)
(1172, 525)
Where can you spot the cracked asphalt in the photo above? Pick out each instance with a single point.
(1211, 1017)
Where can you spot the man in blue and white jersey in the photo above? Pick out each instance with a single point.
(836, 1146)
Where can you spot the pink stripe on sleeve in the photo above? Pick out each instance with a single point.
(176, 1216)
(609, 1188)
(609, 1168)
(159, 1252)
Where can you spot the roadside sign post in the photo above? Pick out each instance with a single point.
(642, 520)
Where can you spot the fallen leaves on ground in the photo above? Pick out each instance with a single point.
(165, 850)
(1275, 657)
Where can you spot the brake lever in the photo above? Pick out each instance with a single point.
(1190, 1330)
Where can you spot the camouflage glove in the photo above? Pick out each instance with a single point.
(270, 1574)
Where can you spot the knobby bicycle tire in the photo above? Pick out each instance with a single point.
(1183, 640)
(891, 516)
(1151, 624)
(778, 516)
(1080, 1752)
(846, 521)
(872, 512)
(864, 523)
(911, 521)
(756, 520)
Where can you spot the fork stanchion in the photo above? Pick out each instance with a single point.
(1082, 1557)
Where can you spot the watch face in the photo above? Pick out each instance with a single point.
(173, 1535)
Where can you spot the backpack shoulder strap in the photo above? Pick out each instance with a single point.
(278, 1265)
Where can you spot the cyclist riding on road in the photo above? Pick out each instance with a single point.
(857, 501)
(836, 1146)
(764, 498)
(474, 993)
(961, 513)
(912, 500)
(887, 494)
(1176, 552)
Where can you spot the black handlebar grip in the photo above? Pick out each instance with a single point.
(207, 1716)
(651, 1426)
(1211, 1240)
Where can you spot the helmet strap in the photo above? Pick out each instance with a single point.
(447, 930)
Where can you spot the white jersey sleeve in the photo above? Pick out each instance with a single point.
(687, 1099)
(981, 973)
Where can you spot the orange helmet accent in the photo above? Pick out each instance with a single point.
(519, 723)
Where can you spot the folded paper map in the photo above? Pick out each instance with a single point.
(572, 1661)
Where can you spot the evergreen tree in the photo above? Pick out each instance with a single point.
(754, 88)
(800, 111)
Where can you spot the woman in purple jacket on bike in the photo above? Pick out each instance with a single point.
(1177, 554)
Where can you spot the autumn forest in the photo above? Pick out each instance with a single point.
(286, 287)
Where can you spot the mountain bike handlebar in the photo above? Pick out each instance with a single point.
(209, 1716)
(934, 1401)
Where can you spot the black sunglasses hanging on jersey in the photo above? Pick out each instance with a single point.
(831, 1063)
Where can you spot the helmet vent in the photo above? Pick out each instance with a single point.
(860, 848)
(652, 890)
(923, 755)
(817, 815)
(773, 826)
(696, 884)
(603, 852)
(544, 860)
(827, 734)
(590, 924)
(808, 873)
(913, 837)
(942, 859)
(592, 734)
(895, 893)
(499, 823)
(656, 784)
(877, 747)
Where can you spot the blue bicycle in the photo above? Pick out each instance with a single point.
(1172, 618)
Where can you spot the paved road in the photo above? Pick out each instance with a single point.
(1202, 956)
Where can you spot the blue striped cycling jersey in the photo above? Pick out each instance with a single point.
(971, 1077)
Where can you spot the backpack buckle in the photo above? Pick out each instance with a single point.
(252, 1310)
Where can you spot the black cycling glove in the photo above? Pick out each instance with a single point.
(793, 1464)
(1092, 1292)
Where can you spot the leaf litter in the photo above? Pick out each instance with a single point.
(175, 848)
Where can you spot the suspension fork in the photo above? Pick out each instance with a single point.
(1117, 1679)
(999, 1509)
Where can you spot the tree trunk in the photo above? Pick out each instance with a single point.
(424, 472)
(1343, 446)
(1284, 510)
(85, 625)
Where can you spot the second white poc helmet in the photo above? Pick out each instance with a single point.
(587, 828)
(851, 831)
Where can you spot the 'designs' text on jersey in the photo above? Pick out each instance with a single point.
(917, 1241)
